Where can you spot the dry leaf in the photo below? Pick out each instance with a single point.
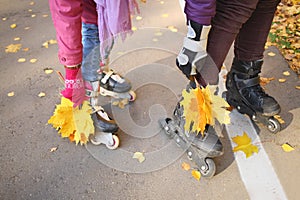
(271, 54)
(139, 156)
(13, 48)
(27, 28)
(196, 174)
(282, 80)
(17, 39)
(280, 120)
(4, 18)
(173, 29)
(11, 94)
(21, 60)
(25, 49)
(287, 148)
(41, 94)
(53, 149)
(158, 33)
(139, 18)
(244, 144)
(286, 73)
(33, 15)
(48, 70)
(33, 60)
(264, 81)
(185, 166)
(298, 87)
(31, 3)
(12, 26)
(45, 15)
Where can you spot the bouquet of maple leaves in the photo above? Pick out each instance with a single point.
(202, 107)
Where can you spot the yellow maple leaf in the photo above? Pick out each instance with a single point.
(196, 174)
(200, 108)
(74, 123)
(13, 48)
(244, 144)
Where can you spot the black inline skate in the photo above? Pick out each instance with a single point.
(248, 97)
(199, 148)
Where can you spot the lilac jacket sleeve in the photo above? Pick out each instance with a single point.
(66, 16)
(200, 11)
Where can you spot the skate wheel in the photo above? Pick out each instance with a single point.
(210, 172)
(273, 125)
(132, 96)
(115, 144)
(94, 141)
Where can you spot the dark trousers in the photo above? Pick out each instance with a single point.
(244, 22)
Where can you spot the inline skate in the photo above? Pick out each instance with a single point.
(248, 97)
(199, 148)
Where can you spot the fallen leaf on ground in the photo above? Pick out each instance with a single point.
(27, 28)
(11, 94)
(158, 33)
(244, 144)
(264, 81)
(25, 49)
(185, 166)
(196, 174)
(287, 148)
(298, 87)
(12, 26)
(139, 18)
(173, 29)
(4, 18)
(53, 149)
(282, 80)
(271, 54)
(48, 70)
(41, 94)
(33, 15)
(120, 103)
(13, 48)
(286, 73)
(139, 156)
(21, 60)
(45, 15)
(33, 60)
(17, 39)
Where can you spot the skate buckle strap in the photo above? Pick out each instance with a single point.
(107, 76)
(241, 83)
(192, 45)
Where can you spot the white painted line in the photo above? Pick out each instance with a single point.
(257, 172)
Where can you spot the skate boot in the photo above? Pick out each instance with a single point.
(105, 127)
(248, 97)
(114, 85)
(200, 148)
